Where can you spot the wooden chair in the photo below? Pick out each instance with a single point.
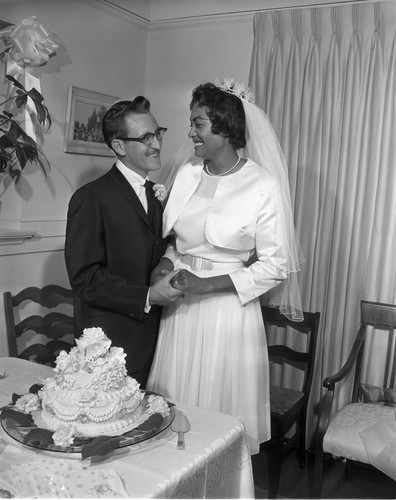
(341, 434)
(289, 405)
(40, 336)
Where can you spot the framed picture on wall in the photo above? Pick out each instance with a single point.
(84, 113)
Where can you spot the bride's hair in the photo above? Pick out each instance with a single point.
(225, 111)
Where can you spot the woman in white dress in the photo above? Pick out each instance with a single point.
(233, 241)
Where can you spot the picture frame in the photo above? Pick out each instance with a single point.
(83, 127)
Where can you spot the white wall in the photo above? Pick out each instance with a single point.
(99, 51)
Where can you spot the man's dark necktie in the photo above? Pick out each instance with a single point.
(150, 201)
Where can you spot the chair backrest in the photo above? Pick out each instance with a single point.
(280, 353)
(382, 318)
(35, 334)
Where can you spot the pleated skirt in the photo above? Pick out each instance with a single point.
(212, 352)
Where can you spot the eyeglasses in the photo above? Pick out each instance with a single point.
(148, 138)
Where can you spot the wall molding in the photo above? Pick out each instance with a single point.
(110, 8)
(173, 23)
(242, 16)
(201, 21)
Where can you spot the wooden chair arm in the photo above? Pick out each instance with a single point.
(324, 418)
(330, 381)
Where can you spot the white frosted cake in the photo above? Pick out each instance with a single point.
(91, 390)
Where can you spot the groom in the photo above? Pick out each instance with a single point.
(114, 239)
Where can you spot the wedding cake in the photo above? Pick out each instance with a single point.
(91, 390)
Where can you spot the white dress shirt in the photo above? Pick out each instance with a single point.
(136, 181)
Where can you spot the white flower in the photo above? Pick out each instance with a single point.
(157, 404)
(63, 436)
(92, 336)
(28, 403)
(62, 361)
(160, 192)
(94, 333)
(117, 355)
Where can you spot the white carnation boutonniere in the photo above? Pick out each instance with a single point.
(160, 192)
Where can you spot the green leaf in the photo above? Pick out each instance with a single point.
(35, 388)
(15, 82)
(15, 131)
(39, 436)
(15, 397)
(35, 95)
(21, 100)
(100, 446)
(21, 155)
(5, 142)
(152, 423)
(81, 441)
(44, 165)
(40, 112)
(24, 419)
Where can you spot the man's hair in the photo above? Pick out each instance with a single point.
(113, 123)
(225, 111)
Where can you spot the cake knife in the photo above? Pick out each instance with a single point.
(181, 425)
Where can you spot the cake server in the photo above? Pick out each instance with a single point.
(181, 425)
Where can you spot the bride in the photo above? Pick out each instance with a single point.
(230, 215)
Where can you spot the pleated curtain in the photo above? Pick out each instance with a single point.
(326, 77)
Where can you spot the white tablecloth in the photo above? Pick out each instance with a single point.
(215, 464)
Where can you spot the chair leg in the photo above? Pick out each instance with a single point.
(301, 454)
(317, 479)
(274, 466)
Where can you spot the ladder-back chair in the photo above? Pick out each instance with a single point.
(289, 404)
(35, 334)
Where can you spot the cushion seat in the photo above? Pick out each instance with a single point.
(282, 399)
(342, 438)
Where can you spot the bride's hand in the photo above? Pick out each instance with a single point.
(188, 282)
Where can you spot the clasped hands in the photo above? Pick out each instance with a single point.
(168, 286)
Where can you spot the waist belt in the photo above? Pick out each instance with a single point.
(201, 264)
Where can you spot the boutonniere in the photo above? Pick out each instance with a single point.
(160, 192)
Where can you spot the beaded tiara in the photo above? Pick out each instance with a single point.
(232, 87)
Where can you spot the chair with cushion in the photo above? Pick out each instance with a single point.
(296, 355)
(35, 334)
(362, 430)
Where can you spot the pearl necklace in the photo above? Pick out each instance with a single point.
(206, 168)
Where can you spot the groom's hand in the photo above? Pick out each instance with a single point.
(164, 267)
(162, 292)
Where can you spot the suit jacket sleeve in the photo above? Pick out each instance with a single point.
(86, 263)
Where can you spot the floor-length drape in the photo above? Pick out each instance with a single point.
(327, 79)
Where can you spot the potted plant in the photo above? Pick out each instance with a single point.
(17, 148)
(25, 46)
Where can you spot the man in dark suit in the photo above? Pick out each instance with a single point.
(114, 239)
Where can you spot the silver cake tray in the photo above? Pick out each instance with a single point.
(147, 430)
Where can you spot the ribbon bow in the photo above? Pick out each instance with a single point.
(29, 44)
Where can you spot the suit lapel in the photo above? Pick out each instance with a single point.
(129, 194)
